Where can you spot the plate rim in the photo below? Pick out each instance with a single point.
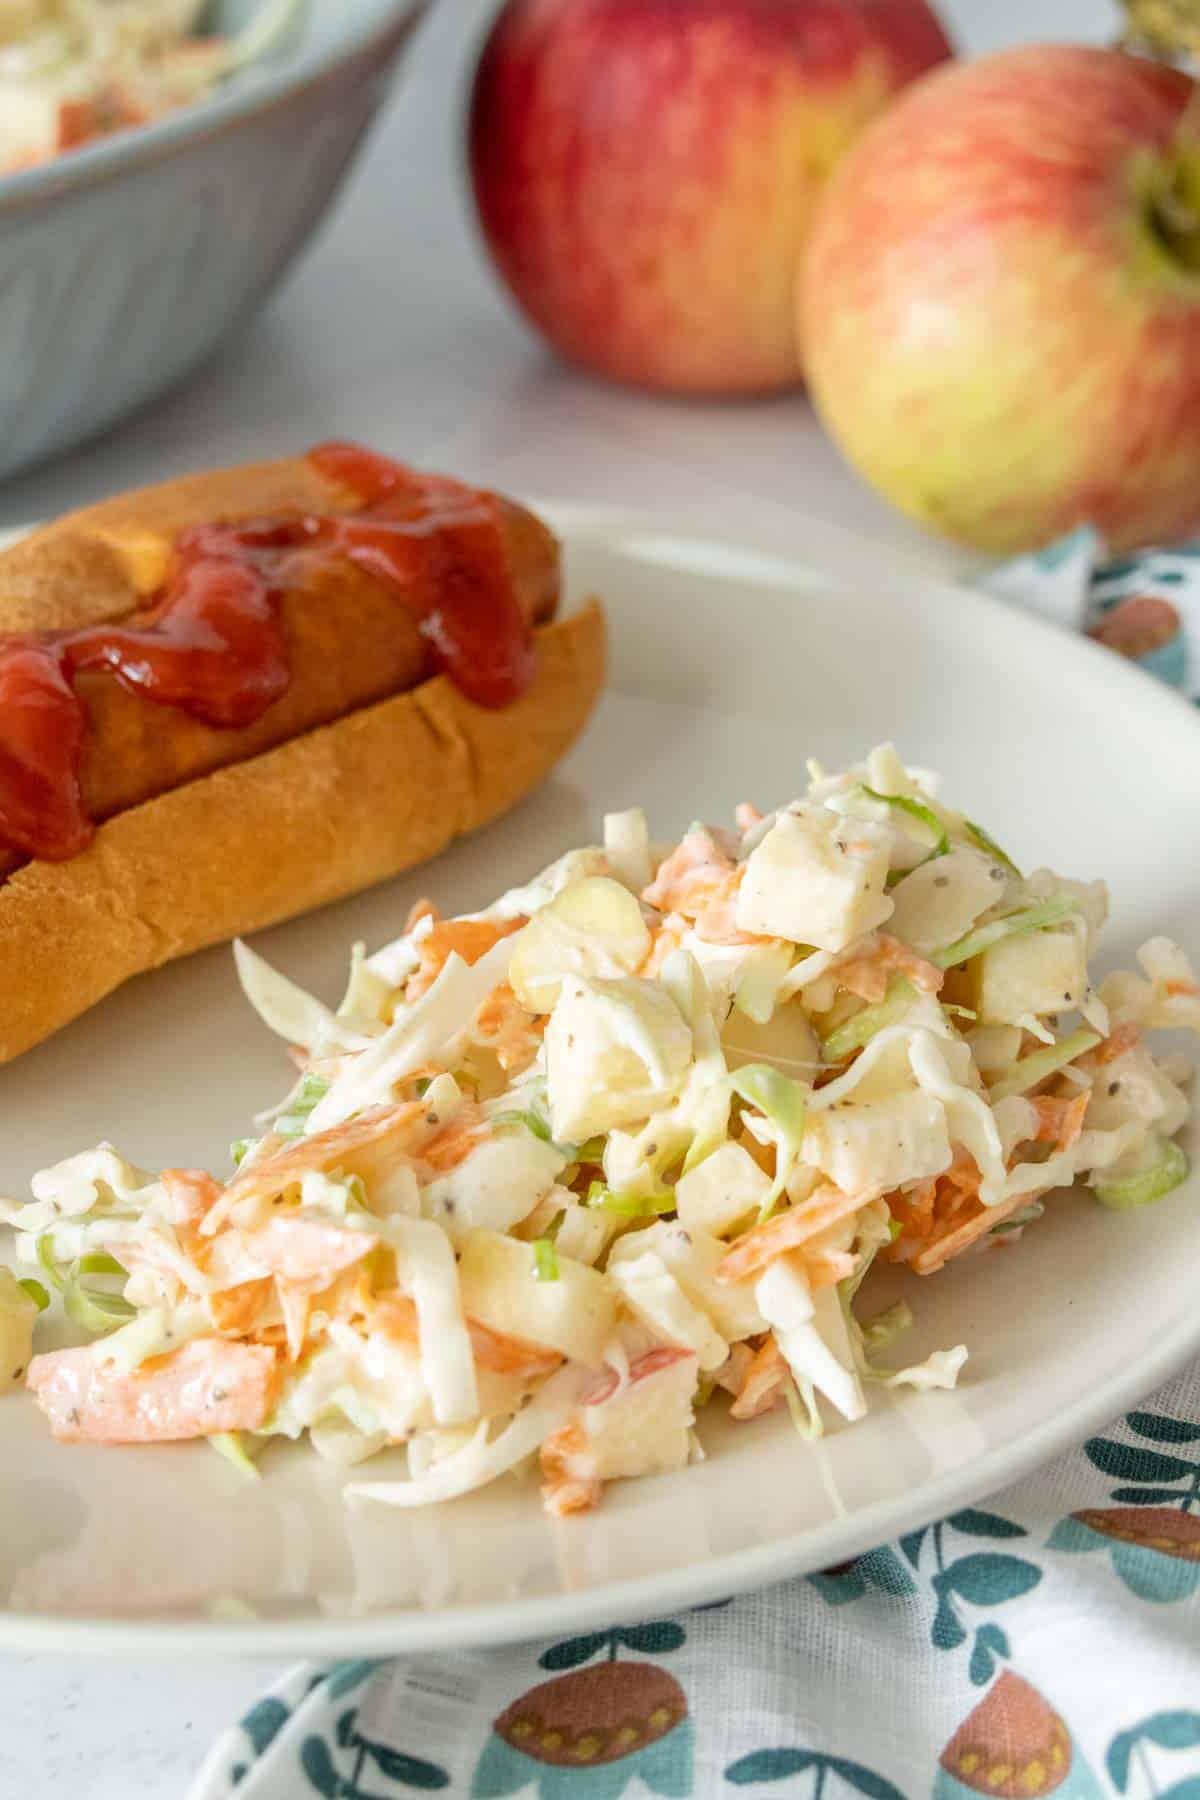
(829, 550)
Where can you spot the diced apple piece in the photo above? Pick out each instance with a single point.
(593, 927)
(574, 1315)
(657, 1301)
(786, 1040)
(721, 1191)
(1040, 972)
(880, 1143)
(1133, 1088)
(495, 1187)
(17, 1314)
(693, 1256)
(816, 879)
(615, 1052)
(941, 900)
(635, 1427)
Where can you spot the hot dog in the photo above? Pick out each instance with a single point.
(219, 706)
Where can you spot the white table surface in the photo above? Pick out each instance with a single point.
(392, 331)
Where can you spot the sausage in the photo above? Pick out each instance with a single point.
(349, 641)
(359, 765)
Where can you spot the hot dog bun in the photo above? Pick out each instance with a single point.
(350, 643)
(358, 771)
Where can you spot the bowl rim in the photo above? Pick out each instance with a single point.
(66, 175)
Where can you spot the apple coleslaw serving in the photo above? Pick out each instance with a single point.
(72, 71)
(557, 1174)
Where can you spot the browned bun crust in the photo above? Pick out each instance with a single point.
(351, 642)
(319, 816)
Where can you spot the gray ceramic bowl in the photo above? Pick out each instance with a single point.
(124, 264)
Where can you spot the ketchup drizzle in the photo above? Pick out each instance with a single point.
(212, 645)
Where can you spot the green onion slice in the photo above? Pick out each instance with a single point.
(1033, 918)
(545, 1259)
(1031, 1069)
(1131, 1191)
(866, 1024)
(985, 841)
(36, 1292)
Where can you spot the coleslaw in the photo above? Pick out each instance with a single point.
(75, 70)
(556, 1174)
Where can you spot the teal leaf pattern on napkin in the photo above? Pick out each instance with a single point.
(782, 1764)
(1152, 1534)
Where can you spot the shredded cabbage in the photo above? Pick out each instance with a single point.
(296, 1016)
(420, 1032)
(481, 1462)
(784, 1105)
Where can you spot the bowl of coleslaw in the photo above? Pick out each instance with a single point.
(162, 163)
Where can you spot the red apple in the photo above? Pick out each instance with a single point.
(1001, 301)
(646, 170)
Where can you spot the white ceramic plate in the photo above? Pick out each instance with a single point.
(734, 660)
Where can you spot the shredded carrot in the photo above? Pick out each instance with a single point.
(469, 938)
(562, 1498)
(420, 909)
(295, 1300)
(825, 1268)
(1125, 1037)
(685, 879)
(191, 1193)
(454, 1141)
(764, 1382)
(716, 922)
(935, 1208)
(1059, 1121)
(867, 974)
(512, 1033)
(954, 1242)
(348, 1146)
(236, 1309)
(664, 941)
(788, 1231)
(396, 1315)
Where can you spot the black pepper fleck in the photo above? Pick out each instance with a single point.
(17, 1373)
(997, 873)
(1114, 1087)
(941, 881)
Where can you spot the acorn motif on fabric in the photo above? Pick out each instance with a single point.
(1015, 1746)
(587, 1733)
(1153, 1536)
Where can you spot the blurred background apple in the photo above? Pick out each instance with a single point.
(1001, 302)
(646, 171)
